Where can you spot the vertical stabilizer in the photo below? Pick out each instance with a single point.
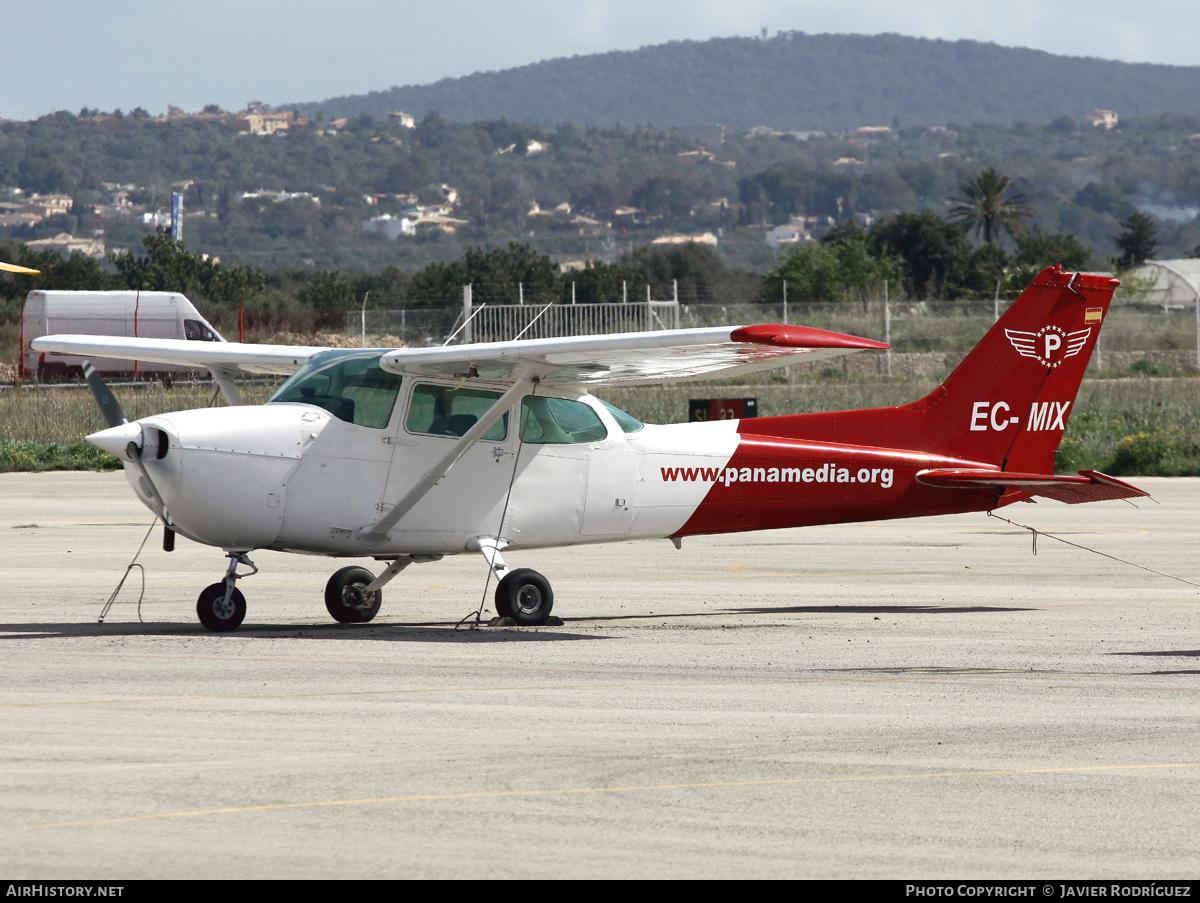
(1009, 401)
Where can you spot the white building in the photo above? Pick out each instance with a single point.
(391, 226)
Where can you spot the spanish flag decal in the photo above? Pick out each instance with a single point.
(1093, 315)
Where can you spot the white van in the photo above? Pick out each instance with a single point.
(154, 315)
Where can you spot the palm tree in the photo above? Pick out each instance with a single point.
(985, 208)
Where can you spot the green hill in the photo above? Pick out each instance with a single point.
(796, 81)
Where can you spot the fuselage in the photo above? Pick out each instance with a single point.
(311, 475)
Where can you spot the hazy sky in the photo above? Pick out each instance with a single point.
(149, 53)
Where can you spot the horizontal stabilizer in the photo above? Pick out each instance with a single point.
(1089, 486)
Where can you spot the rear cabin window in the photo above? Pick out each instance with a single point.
(449, 411)
(350, 385)
(559, 421)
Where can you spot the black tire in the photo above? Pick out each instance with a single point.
(214, 614)
(343, 594)
(525, 596)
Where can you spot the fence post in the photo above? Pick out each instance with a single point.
(887, 326)
(21, 359)
(467, 314)
(625, 294)
(521, 292)
(364, 318)
(785, 312)
(242, 318)
(572, 291)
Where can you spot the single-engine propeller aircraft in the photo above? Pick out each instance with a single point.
(408, 455)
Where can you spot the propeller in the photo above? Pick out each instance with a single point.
(127, 441)
(109, 406)
(15, 268)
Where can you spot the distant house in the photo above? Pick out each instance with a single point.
(534, 147)
(67, 244)
(268, 122)
(49, 204)
(696, 156)
(390, 226)
(1097, 119)
(785, 235)
(405, 120)
(704, 238)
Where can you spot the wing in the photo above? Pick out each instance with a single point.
(218, 356)
(636, 357)
(1024, 342)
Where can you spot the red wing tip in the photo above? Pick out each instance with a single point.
(784, 336)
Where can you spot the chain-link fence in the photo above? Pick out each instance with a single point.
(939, 330)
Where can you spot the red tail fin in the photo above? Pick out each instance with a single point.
(1007, 403)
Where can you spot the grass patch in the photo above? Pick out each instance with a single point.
(34, 457)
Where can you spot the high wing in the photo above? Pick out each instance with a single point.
(633, 358)
(625, 358)
(218, 356)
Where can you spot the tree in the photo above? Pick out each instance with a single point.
(935, 255)
(833, 271)
(1138, 241)
(170, 267)
(77, 272)
(493, 276)
(987, 207)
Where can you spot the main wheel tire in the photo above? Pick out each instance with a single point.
(344, 599)
(525, 596)
(215, 614)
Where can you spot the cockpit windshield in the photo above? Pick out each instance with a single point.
(350, 385)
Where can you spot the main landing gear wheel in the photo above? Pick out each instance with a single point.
(218, 615)
(525, 596)
(345, 599)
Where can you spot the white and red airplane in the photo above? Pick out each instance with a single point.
(408, 455)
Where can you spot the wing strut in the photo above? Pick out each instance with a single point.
(379, 531)
(223, 377)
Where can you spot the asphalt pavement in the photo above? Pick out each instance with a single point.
(910, 699)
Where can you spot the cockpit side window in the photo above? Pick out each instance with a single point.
(350, 385)
(559, 421)
(627, 422)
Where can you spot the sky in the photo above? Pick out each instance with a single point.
(123, 54)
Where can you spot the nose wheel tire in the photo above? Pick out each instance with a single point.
(525, 596)
(218, 615)
(344, 597)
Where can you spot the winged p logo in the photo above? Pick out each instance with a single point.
(1049, 346)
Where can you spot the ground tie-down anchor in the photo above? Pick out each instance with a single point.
(132, 564)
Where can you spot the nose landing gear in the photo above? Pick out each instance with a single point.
(221, 606)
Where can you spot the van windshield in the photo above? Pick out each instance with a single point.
(350, 385)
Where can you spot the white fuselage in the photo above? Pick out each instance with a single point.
(294, 477)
